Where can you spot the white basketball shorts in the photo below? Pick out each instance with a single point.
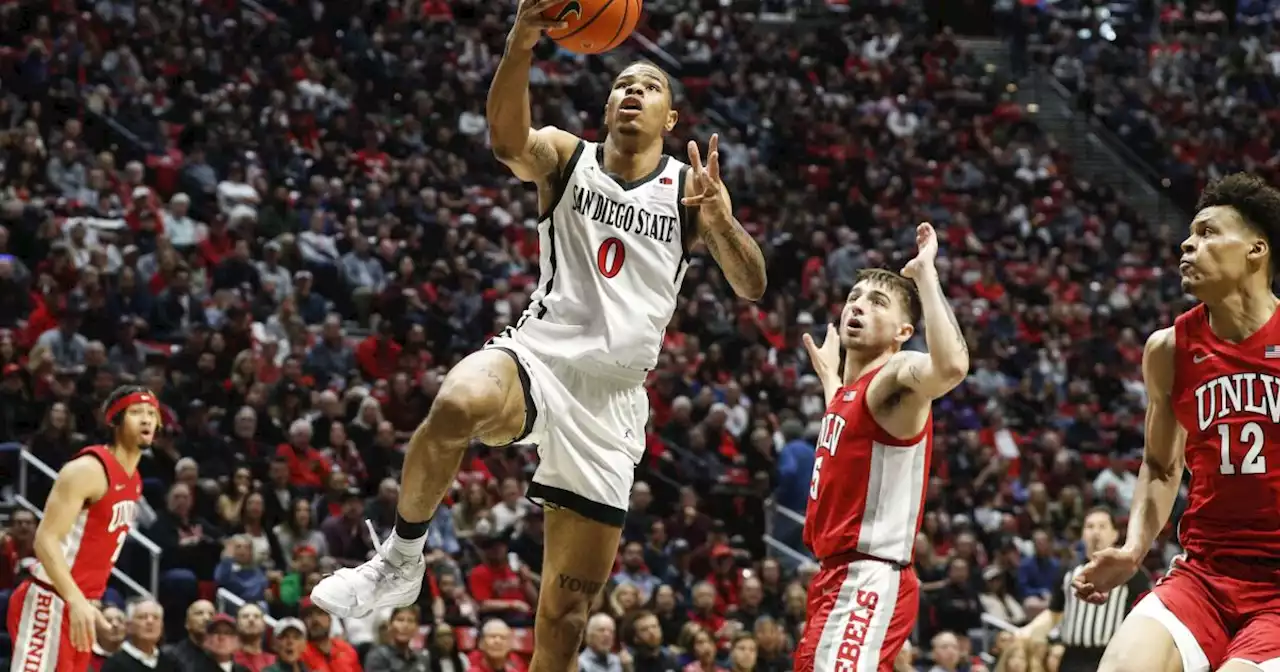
(589, 431)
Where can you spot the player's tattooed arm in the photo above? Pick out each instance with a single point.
(532, 155)
(947, 363)
(735, 251)
(737, 254)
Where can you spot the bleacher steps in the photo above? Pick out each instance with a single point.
(1092, 157)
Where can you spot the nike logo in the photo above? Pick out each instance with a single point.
(1200, 358)
(119, 487)
(572, 7)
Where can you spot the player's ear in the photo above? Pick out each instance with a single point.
(672, 118)
(1259, 250)
(905, 332)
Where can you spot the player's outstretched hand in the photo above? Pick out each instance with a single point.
(825, 358)
(530, 23)
(1108, 569)
(709, 195)
(927, 246)
(85, 619)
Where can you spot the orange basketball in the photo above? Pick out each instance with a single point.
(594, 26)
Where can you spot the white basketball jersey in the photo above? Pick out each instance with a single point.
(612, 260)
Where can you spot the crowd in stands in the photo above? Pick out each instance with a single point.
(284, 219)
(1192, 90)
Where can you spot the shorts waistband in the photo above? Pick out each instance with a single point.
(841, 559)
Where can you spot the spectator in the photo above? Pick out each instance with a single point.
(743, 653)
(349, 539)
(394, 653)
(634, 572)
(141, 650)
(251, 628)
(442, 652)
(307, 467)
(701, 646)
(297, 530)
(290, 638)
(771, 646)
(494, 653)
(647, 651)
(239, 573)
(187, 540)
(946, 653)
(1036, 574)
(189, 652)
(598, 656)
(17, 544)
(499, 589)
(109, 637)
(221, 644)
(956, 604)
(324, 652)
(511, 508)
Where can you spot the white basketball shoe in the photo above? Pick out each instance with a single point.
(388, 580)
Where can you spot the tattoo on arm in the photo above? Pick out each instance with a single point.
(737, 255)
(574, 584)
(493, 377)
(914, 370)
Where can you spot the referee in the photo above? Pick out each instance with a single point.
(1083, 628)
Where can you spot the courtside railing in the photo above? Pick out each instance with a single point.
(226, 597)
(28, 461)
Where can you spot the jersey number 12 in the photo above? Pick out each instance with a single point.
(1254, 461)
(829, 438)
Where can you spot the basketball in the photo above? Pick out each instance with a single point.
(594, 26)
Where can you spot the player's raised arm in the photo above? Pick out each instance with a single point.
(734, 250)
(531, 154)
(81, 481)
(947, 362)
(1158, 479)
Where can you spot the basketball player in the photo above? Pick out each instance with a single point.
(866, 497)
(1213, 387)
(86, 521)
(618, 220)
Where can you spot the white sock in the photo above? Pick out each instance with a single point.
(409, 549)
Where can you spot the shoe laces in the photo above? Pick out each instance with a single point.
(381, 566)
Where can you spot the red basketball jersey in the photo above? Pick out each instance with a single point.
(1227, 397)
(95, 541)
(867, 490)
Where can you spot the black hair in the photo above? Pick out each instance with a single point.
(1111, 517)
(1257, 203)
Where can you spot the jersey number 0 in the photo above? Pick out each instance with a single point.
(610, 257)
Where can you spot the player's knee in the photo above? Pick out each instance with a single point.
(569, 622)
(462, 407)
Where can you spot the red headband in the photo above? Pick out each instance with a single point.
(128, 400)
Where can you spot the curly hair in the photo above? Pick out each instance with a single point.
(1257, 203)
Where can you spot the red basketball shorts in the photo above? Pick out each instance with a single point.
(860, 614)
(41, 630)
(1218, 611)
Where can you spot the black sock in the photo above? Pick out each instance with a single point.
(407, 530)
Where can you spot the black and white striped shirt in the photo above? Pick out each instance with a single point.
(1090, 626)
